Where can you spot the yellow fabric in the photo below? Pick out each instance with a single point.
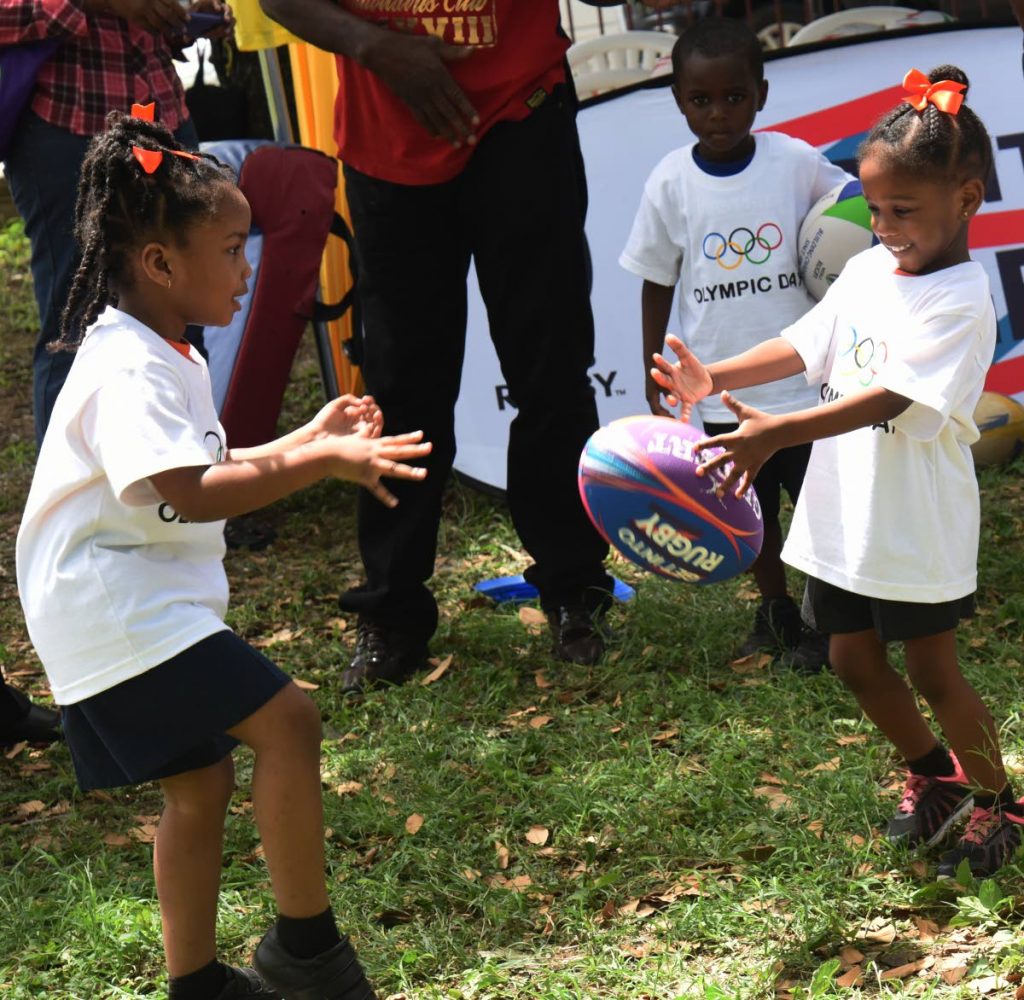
(254, 30)
(315, 81)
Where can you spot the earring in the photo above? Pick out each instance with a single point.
(169, 280)
(967, 215)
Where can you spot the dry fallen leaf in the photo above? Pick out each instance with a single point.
(15, 750)
(305, 685)
(953, 974)
(30, 808)
(751, 664)
(413, 824)
(534, 619)
(349, 788)
(144, 834)
(849, 955)
(883, 934)
(503, 856)
(845, 741)
(281, 635)
(540, 680)
(903, 971)
(116, 840)
(928, 930)
(539, 721)
(828, 765)
(538, 835)
(775, 796)
(853, 976)
(440, 667)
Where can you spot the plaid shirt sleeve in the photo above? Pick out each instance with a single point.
(104, 64)
(30, 20)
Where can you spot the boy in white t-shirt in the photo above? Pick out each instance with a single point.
(720, 218)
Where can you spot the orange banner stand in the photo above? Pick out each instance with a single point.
(315, 80)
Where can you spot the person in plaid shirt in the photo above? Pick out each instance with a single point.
(113, 53)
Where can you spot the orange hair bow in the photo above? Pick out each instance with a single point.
(946, 95)
(150, 159)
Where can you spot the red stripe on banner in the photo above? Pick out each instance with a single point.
(997, 229)
(1006, 377)
(841, 120)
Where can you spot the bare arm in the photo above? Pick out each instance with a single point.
(239, 485)
(413, 66)
(760, 435)
(688, 381)
(655, 310)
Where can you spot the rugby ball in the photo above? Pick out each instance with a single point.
(837, 228)
(1000, 421)
(639, 484)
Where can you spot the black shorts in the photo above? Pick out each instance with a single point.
(785, 468)
(171, 719)
(832, 610)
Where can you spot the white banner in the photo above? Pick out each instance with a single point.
(828, 97)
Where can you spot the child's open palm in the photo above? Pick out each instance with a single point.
(686, 382)
(746, 449)
(367, 460)
(349, 414)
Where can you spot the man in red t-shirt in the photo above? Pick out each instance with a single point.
(455, 120)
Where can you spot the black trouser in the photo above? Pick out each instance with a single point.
(517, 209)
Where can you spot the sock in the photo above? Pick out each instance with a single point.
(1004, 801)
(203, 984)
(937, 763)
(307, 937)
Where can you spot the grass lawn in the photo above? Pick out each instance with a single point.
(666, 824)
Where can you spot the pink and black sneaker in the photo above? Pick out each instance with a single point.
(929, 807)
(990, 840)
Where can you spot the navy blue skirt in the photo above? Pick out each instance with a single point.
(171, 719)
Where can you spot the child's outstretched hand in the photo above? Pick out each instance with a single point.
(349, 414)
(366, 460)
(747, 448)
(685, 382)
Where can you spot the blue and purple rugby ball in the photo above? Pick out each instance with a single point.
(639, 484)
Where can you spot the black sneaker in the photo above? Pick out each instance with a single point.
(334, 975)
(245, 983)
(809, 655)
(929, 807)
(578, 635)
(990, 840)
(35, 724)
(383, 656)
(777, 628)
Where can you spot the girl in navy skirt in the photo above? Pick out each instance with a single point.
(120, 561)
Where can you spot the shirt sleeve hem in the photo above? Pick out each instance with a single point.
(642, 270)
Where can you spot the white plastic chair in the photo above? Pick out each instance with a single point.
(858, 21)
(613, 61)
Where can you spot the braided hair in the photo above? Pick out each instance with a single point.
(933, 142)
(120, 208)
(712, 37)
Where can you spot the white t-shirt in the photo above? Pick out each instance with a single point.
(731, 243)
(112, 581)
(892, 511)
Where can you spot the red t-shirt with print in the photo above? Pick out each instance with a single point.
(518, 58)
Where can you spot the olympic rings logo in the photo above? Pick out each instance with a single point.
(743, 244)
(868, 357)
